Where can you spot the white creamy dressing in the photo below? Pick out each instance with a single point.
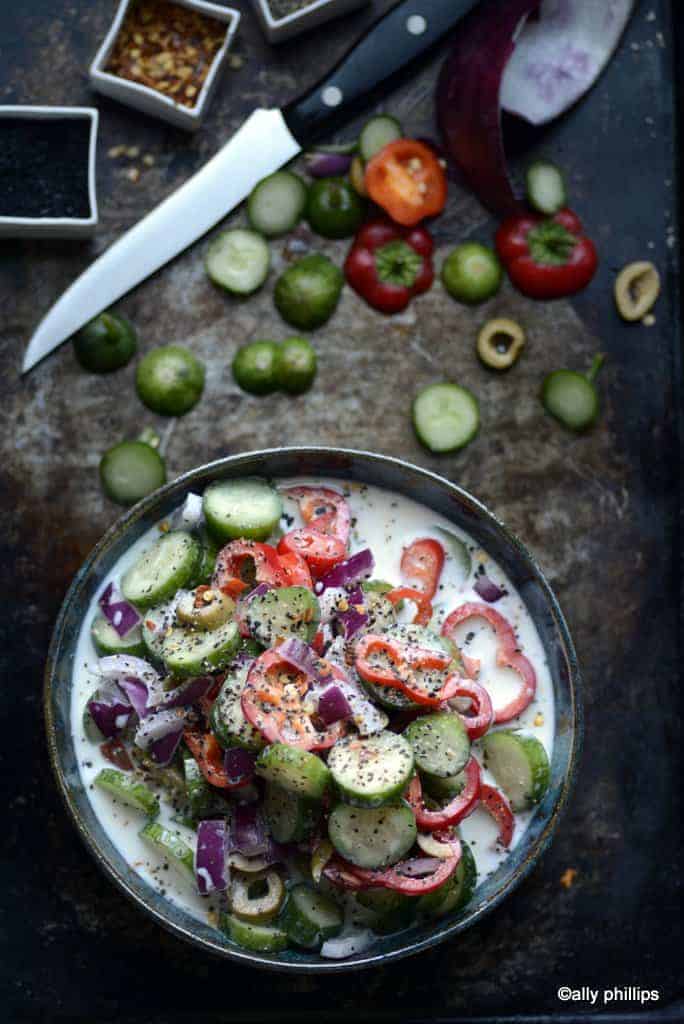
(386, 523)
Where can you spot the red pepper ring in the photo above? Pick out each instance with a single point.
(210, 757)
(498, 806)
(482, 718)
(231, 560)
(456, 810)
(392, 877)
(508, 655)
(321, 551)
(405, 661)
(323, 509)
(421, 565)
(421, 600)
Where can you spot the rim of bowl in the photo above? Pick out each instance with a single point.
(441, 931)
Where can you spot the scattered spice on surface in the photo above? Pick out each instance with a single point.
(167, 48)
(44, 167)
(567, 879)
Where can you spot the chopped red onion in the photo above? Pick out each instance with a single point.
(418, 866)
(487, 589)
(327, 165)
(110, 711)
(189, 692)
(137, 694)
(248, 831)
(304, 658)
(119, 613)
(333, 706)
(211, 868)
(157, 726)
(239, 765)
(352, 620)
(163, 749)
(345, 574)
(367, 718)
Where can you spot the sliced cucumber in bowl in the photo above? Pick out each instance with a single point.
(372, 837)
(520, 766)
(372, 771)
(164, 568)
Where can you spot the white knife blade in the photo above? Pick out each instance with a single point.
(262, 145)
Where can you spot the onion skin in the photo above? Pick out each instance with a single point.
(468, 100)
(327, 165)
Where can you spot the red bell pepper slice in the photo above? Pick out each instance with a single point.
(210, 757)
(275, 701)
(114, 750)
(508, 655)
(320, 551)
(406, 660)
(421, 565)
(546, 257)
(239, 557)
(295, 570)
(388, 265)
(407, 180)
(392, 877)
(323, 509)
(456, 810)
(498, 806)
(481, 718)
(422, 602)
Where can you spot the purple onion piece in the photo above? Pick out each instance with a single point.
(187, 693)
(109, 715)
(327, 165)
(119, 613)
(211, 869)
(345, 574)
(487, 589)
(157, 726)
(239, 765)
(419, 866)
(333, 706)
(248, 831)
(304, 658)
(353, 620)
(163, 750)
(136, 691)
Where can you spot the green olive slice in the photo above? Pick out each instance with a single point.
(204, 608)
(500, 343)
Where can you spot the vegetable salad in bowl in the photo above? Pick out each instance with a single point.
(311, 713)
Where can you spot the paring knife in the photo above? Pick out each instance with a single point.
(267, 140)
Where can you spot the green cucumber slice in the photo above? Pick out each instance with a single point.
(260, 938)
(443, 789)
(276, 205)
(131, 470)
(372, 837)
(310, 917)
(571, 398)
(192, 652)
(377, 133)
(458, 549)
(372, 771)
(545, 187)
(171, 846)
(520, 766)
(128, 790)
(446, 417)
(298, 771)
(291, 818)
(282, 613)
(156, 622)
(440, 743)
(456, 892)
(238, 261)
(392, 910)
(106, 640)
(227, 720)
(197, 790)
(168, 565)
(248, 508)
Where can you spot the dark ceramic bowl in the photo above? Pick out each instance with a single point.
(437, 494)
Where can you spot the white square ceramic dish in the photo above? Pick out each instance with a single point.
(149, 100)
(56, 227)
(315, 13)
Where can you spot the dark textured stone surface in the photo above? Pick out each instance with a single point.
(600, 512)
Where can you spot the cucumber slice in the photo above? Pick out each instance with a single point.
(282, 613)
(242, 508)
(458, 550)
(168, 565)
(446, 417)
(372, 837)
(205, 569)
(260, 938)
(378, 133)
(392, 910)
(155, 624)
(238, 261)
(131, 470)
(227, 720)
(520, 766)
(291, 818)
(128, 790)
(310, 917)
(443, 789)
(456, 892)
(297, 771)
(372, 771)
(381, 613)
(192, 652)
(171, 846)
(106, 640)
(440, 743)
(197, 790)
(276, 205)
(545, 187)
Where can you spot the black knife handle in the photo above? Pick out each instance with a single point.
(372, 65)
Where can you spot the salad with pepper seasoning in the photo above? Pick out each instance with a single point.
(325, 707)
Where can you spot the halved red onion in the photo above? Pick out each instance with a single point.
(327, 165)
(159, 725)
(162, 750)
(239, 764)
(119, 613)
(109, 710)
(333, 706)
(487, 589)
(248, 833)
(345, 574)
(211, 867)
